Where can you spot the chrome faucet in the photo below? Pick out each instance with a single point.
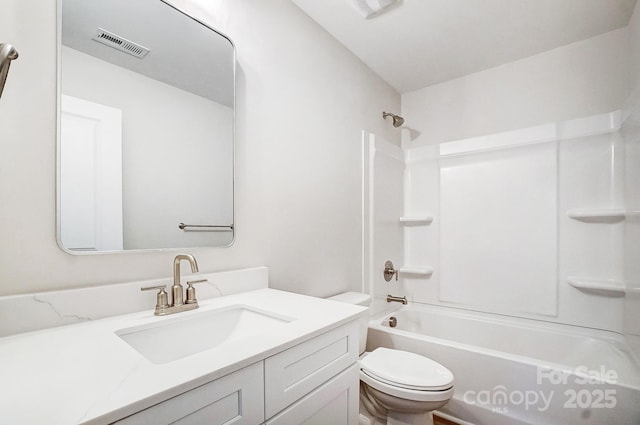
(178, 302)
(176, 289)
(389, 271)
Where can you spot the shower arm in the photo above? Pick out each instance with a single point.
(7, 54)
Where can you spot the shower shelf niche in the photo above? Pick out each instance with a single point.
(611, 288)
(595, 215)
(416, 220)
(416, 271)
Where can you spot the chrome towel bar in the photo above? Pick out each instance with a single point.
(7, 54)
(206, 227)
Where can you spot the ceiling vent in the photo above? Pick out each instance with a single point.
(109, 39)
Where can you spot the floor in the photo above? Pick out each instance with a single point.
(437, 420)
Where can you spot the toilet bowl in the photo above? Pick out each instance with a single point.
(397, 387)
(403, 387)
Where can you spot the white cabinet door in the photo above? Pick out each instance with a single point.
(334, 403)
(297, 371)
(237, 399)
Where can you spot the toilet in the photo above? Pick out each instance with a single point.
(397, 387)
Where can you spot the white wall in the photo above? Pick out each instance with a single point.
(302, 103)
(582, 79)
(631, 131)
(166, 132)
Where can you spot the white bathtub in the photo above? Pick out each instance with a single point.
(516, 371)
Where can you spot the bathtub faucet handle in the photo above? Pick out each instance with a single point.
(389, 271)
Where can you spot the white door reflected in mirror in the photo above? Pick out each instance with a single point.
(90, 176)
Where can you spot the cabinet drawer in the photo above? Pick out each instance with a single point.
(299, 370)
(235, 398)
(335, 403)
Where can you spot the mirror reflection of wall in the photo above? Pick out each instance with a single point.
(176, 129)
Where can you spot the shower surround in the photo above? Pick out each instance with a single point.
(525, 227)
(527, 223)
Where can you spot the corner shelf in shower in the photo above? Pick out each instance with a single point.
(416, 271)
(594, 215)
(416, 220)
(611, 288)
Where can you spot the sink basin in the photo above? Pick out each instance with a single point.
(179, 337)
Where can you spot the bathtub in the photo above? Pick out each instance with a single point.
(512, 371)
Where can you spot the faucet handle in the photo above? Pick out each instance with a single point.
(389, 271)
(191, 291)
(162, 299)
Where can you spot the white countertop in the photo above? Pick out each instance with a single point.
(85, 374)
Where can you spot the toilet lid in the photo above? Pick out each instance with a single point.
(406, 370)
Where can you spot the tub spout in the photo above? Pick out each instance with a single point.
(391, 298)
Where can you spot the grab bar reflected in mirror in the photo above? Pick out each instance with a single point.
(205, 227)
(7, 54)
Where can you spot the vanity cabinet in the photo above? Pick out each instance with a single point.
(236, 398)
(314, 382)
(291, 374)
(335, 402)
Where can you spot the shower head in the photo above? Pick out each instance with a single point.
(397, 120)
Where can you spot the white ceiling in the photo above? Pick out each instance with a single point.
(418, 43)
(184, 53)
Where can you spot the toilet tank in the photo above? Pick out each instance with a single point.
(364, 300)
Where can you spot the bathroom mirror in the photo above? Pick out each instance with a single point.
(145, 151)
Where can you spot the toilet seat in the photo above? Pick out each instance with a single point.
(406, 375)
(405, 393)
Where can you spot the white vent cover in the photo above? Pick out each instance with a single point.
(109, 39)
